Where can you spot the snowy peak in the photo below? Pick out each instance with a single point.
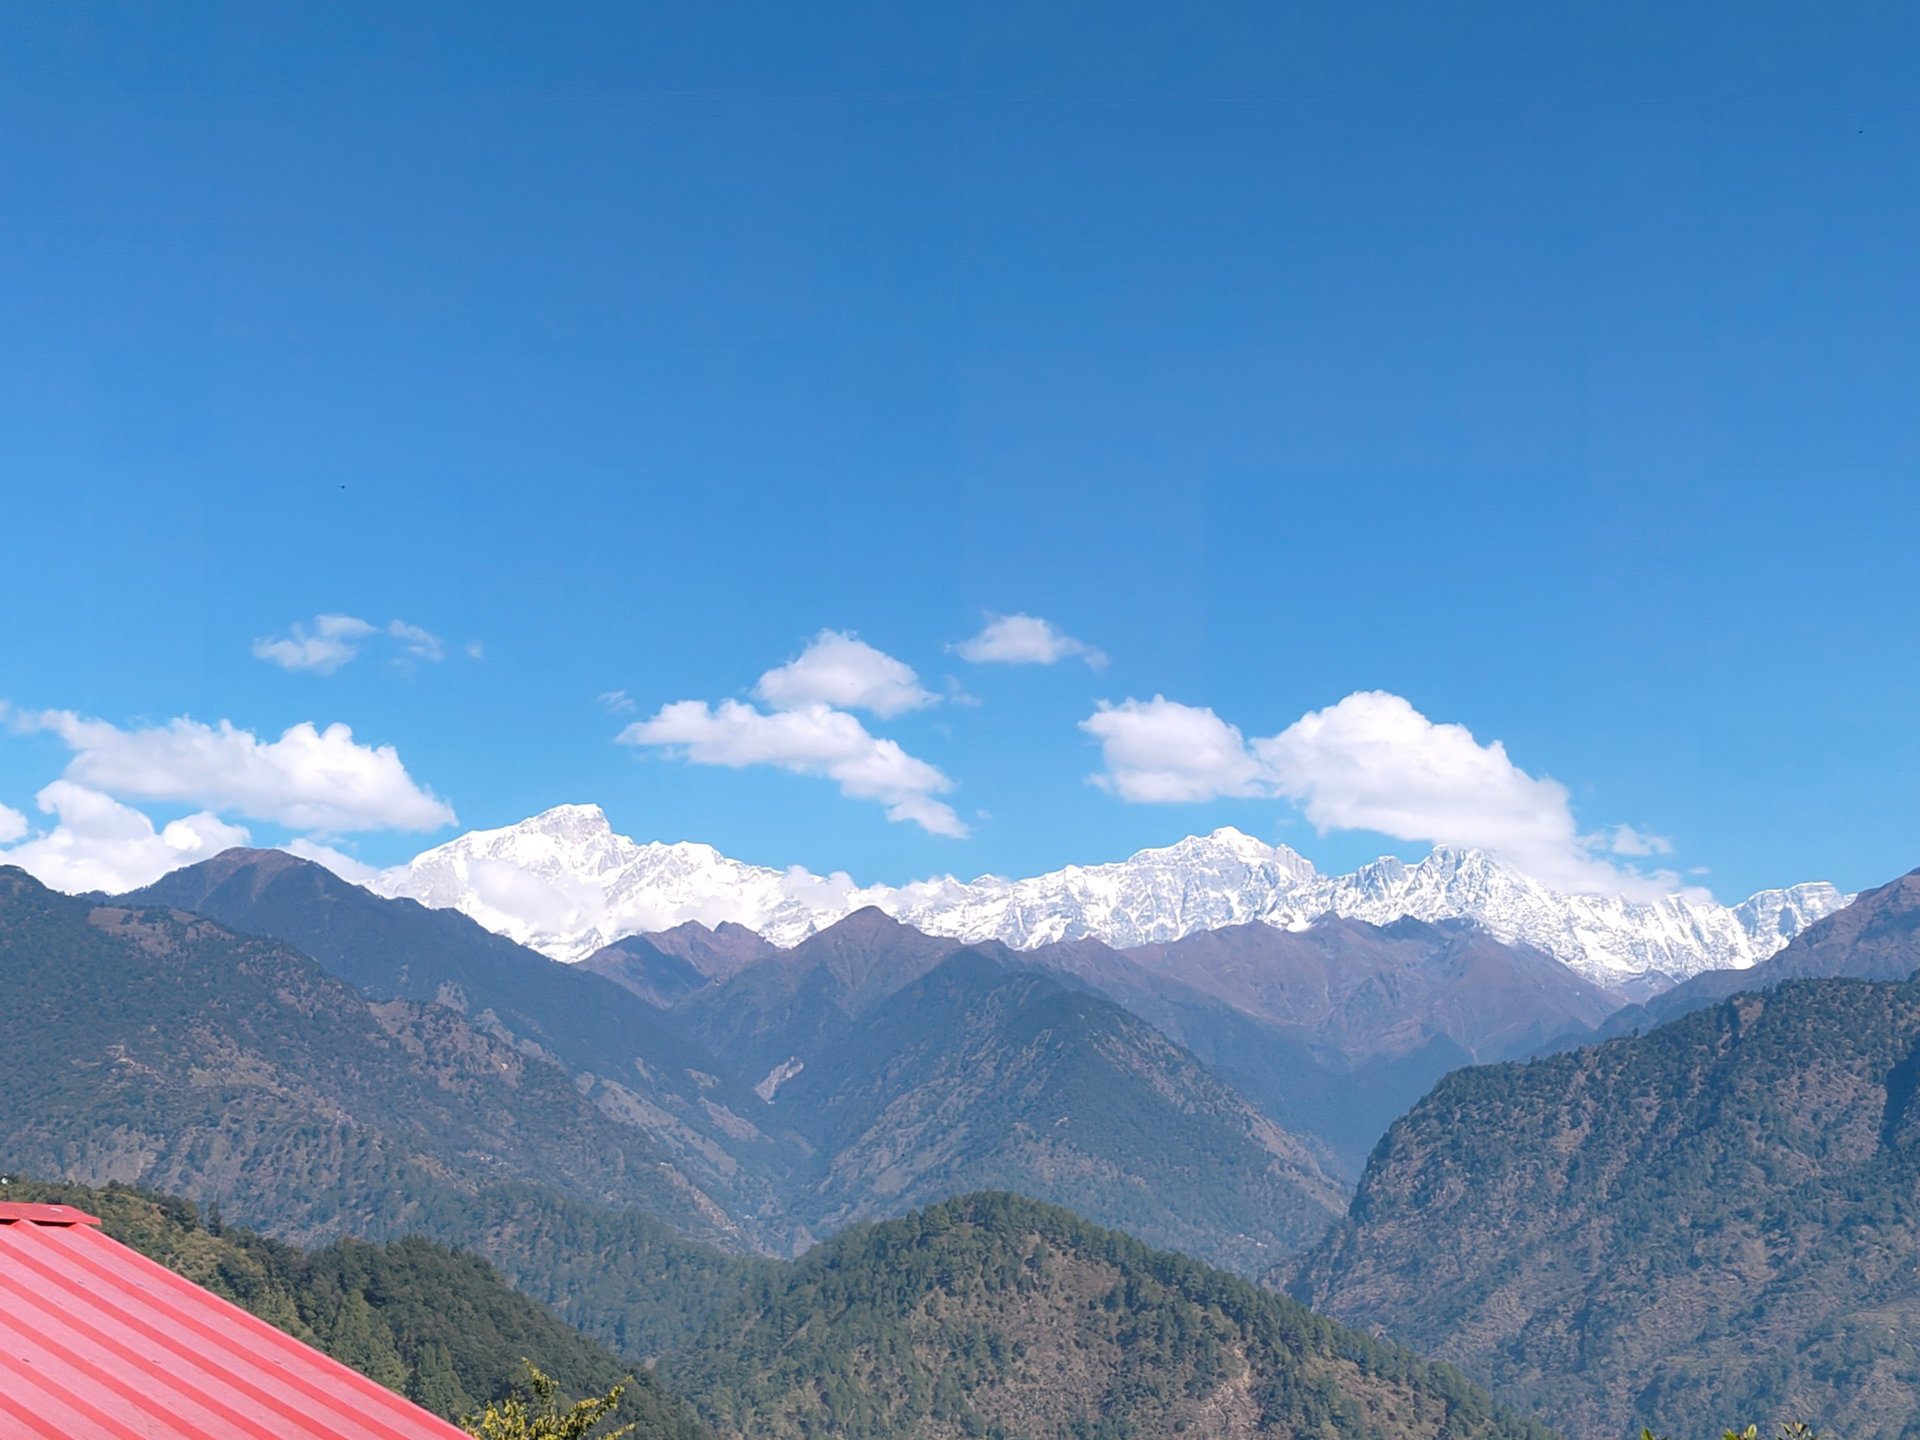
(565, 882)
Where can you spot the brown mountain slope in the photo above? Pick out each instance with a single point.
(1717, 1219)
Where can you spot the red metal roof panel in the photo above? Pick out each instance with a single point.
(98, 1340)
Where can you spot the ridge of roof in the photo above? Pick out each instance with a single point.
(19, 1212)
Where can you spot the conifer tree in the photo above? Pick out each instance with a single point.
(361, 1339)
(434, 1385)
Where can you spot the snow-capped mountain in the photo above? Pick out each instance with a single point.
(566, 884)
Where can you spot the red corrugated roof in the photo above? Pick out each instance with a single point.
(96, 1340)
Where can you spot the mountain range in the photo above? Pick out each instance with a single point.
(564, 883)
(318, 1057)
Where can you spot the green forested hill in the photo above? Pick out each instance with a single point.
(1719, 1219)
(438, 1325)
(993, 1315)
(627, 1279)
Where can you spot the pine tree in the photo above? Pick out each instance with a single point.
(435, 1386)
(363, 1340)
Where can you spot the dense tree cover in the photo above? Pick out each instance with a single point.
(159, 1047)
(1718, 1217)
(997, 1316)
(437, 1325)
(628, 1280)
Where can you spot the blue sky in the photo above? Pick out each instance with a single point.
(1552, 369)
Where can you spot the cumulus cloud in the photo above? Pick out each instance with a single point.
(1371, 762)
(809, 739)
(97, 843)
(327, 642)
(12, 824)
(843, 672)
(1159, 751)
(308, 779)
(1025, 640)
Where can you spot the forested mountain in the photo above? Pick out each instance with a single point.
(149, 1045)
(995, 1316)
(918, 1069)
(635, 1068)
(1715, 1219)
(435, 1324)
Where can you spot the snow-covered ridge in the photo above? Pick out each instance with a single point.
(566, 884)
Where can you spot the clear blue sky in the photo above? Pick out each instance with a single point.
(1556, 368)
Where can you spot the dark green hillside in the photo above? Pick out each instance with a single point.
(997, 1316)
(150, 1046)
(1719, 1218)
(615, 1043)
(632, 1282)
(435, 1324)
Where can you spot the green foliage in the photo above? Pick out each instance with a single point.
(539, 1415)
(633, 1283)
(962, 1319)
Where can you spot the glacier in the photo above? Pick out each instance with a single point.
(566, 883)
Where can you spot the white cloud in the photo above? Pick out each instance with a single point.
(1159, 751)
(1025, 640)
(1625, 840)
(1371, 762)
(330, 642)
(327, 642)
(12, 824)
(617, 702)
(812, 739)
(99, 844)
(845, 673)
(308, 779)
(419, 644)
